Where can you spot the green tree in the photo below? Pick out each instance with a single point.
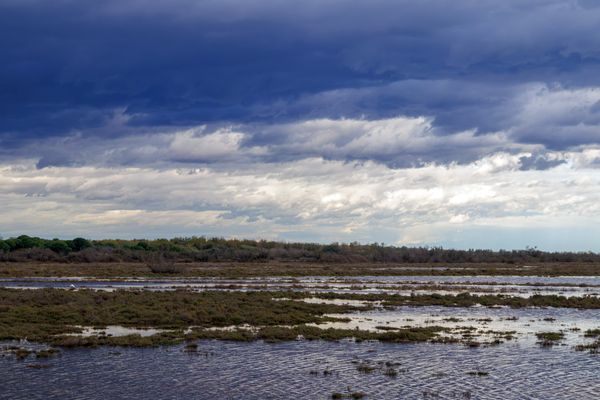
(28, 242)
(58, 246)
(79, 244)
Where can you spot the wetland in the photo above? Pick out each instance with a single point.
(407, 334)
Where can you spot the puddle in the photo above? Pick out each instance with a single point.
(484, 323)
(340, 302)
(115, 330)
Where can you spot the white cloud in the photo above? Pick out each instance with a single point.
(459, 219)
(309, 199)
(193, 145)
(404, 140)
(400, 141)
(325, 180)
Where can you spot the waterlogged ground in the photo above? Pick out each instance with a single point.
(307, 370)
(499, 353)
(522, 286)
(479, 324)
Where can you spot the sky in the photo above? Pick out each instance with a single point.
(463, 124)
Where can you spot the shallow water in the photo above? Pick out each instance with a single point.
(523, 322)
(403, 285)
(115, 330)
(226, 370)
(516, 369)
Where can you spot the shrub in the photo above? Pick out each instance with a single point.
(158, 264)
(58, 246)
(34, 254)
(27, 242)
(79, 244)
(95, 254)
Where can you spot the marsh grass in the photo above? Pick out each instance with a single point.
(267, 334)
(38, 366)
(277, 334)
(592, 332)
(458, 300)
(232, 269)
(552, 336)
(54, 315)
(593, 348)
(365, 368)
(478, 373)
(47, 353)
(21, 353)
(549, 339)
(46, 313)
(158, 264)
(191, 348)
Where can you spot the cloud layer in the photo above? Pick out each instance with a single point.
(308, 199)
(465, 123)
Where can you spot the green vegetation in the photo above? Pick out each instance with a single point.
(593, 348)
(159, 339)
(277, 334)
(53, 315)
(551, 336)
(56, 245)
(467, 300)
(592, 332)
(388, 368)
(47, 353)
(42, 313)
(549, 339)
(22, 353)
(201, 249)
(459, 300)
(365, 368)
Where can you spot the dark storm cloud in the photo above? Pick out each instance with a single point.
(72, 67)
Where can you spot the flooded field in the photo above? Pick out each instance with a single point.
(308, 370)
(522, 286)
(421, 351)
(480, 324)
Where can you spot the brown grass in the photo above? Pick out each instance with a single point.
(233, 269)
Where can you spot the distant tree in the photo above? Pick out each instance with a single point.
(79, 244)
(28, 242)
(142, 245)
(58, 246)
(332, 248)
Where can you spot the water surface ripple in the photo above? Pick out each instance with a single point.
(229, 370)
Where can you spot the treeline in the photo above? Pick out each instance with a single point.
(56, 245)
(200, 249)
